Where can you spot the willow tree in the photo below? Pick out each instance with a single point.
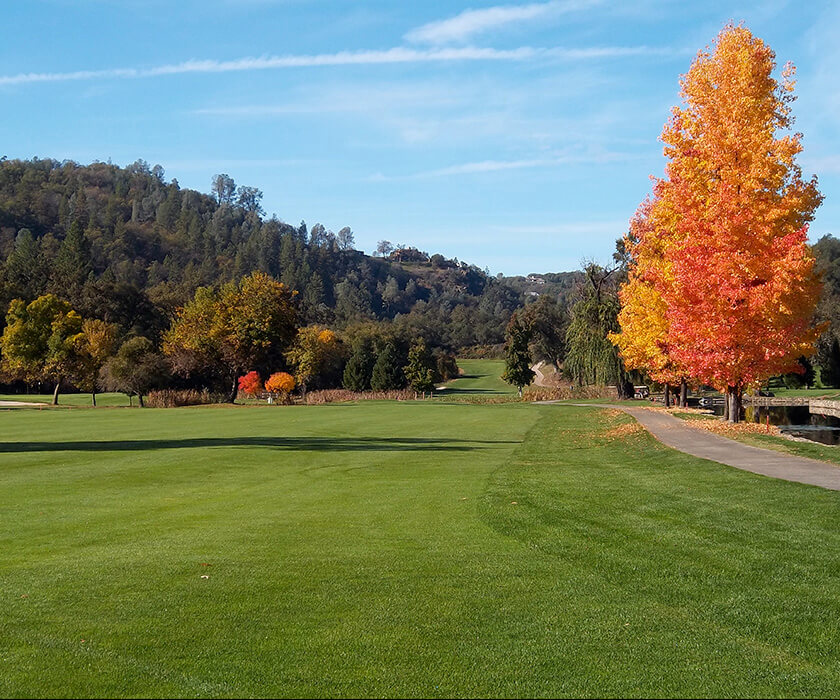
(591, 359)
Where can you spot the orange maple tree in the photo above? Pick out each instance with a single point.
(280, 383)
(723, 273)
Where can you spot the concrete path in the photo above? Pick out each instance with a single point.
(700, 443)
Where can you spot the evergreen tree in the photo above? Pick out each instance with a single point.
(24, 269)
(518, 370)
(357, 373)
(829, 359)
(72, 264)
(388, 372)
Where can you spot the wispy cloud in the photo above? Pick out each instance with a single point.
(491, 166)
(471, 22)
(342, 58)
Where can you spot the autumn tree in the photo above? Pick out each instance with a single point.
(233, 329)
(518, 370)
(643, 339)
(93, 346)
(740, 291)
(280, 385)
(251, 384)
(317, 354)
(40, 340)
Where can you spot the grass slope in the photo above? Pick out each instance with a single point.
(402, 549)
(480, 377)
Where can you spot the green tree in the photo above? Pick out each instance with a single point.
(136, 369)
(420, 370)
(387, 372)
(518, 370)
(72, 264)
(40, 339)
(359, 368)
(548, 321)
(24, 270)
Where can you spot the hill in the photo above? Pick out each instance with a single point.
(128, 246)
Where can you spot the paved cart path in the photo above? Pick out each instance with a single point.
(700, 443)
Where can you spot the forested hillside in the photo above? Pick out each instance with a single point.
(129, 247)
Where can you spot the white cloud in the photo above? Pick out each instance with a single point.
(343, 58)
(471, 22)
(491, 166)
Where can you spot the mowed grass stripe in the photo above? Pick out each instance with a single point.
(402, 549)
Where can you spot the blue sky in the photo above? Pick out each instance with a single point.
(515, 136)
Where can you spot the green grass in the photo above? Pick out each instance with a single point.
(814, 450)
(480, 378)
(810, 393)
(393, 549)
(104, 399)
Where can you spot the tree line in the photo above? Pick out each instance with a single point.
(246, 329)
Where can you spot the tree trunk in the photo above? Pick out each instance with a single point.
(140, 400)
(683, 393)
(55, 392)
(667, 396)
(234, 389)
(734, 404)
(93, 397)
(520, 392)
(726, 404)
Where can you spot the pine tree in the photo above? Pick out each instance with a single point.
(72, 264)
(357, 373)
(387, 373)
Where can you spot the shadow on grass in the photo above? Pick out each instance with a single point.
(312, 444)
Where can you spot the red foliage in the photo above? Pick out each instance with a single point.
(251, 384)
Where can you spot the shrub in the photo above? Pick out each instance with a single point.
(251, 384)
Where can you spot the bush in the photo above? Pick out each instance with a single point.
(447, 367)
(172, 398)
